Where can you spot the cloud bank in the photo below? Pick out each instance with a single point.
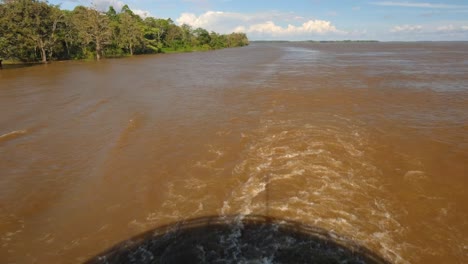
(103, 5)
(419, 5)
(434, 31)
(262, 25)
(414, 29)
(406, 28)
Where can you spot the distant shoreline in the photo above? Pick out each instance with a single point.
(314, 41)
(356, 41)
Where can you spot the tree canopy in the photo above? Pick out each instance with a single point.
(34, 30)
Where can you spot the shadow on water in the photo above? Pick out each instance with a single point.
(238, 239)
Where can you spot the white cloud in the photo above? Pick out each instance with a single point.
(200, 21)
(103, 5)
(264, 25)
(406, 28)
(311, 26)
(240, 29)
(222, 22)
(419, 5)
(268, 27)
(451, 28)
(431, 32)
(142, 13)
(446, 28)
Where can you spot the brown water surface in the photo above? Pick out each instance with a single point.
(367, 140)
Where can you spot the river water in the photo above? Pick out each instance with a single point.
(366, 140)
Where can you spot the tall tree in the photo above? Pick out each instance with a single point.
(131, 30)
(152, 34)
(67, 34)
(92, 27)
(202, 36)
(187, 35)
(9, 43)
(114, 23)
(29, 25)
(157, 28)
(173, 36)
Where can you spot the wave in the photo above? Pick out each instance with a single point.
(12, 135)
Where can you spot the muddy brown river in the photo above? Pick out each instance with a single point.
(368, 140)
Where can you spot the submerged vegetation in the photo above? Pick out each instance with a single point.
(34, 30)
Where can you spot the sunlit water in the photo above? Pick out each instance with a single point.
(366, 140)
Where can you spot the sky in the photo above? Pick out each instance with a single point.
(308, 19)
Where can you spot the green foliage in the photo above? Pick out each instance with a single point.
(93, 29)
(28, 29)
(130, 32)
(34, 30)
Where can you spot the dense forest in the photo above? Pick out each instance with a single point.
(36, 31)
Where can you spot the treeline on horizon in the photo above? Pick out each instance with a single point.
(315, 41)
(36, 31)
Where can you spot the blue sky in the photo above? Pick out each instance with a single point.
(309, 19)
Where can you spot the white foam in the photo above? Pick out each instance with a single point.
(328, 177)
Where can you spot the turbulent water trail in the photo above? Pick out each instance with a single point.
(321, 174)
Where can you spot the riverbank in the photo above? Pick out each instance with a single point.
(8, 64)
(19, 64)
